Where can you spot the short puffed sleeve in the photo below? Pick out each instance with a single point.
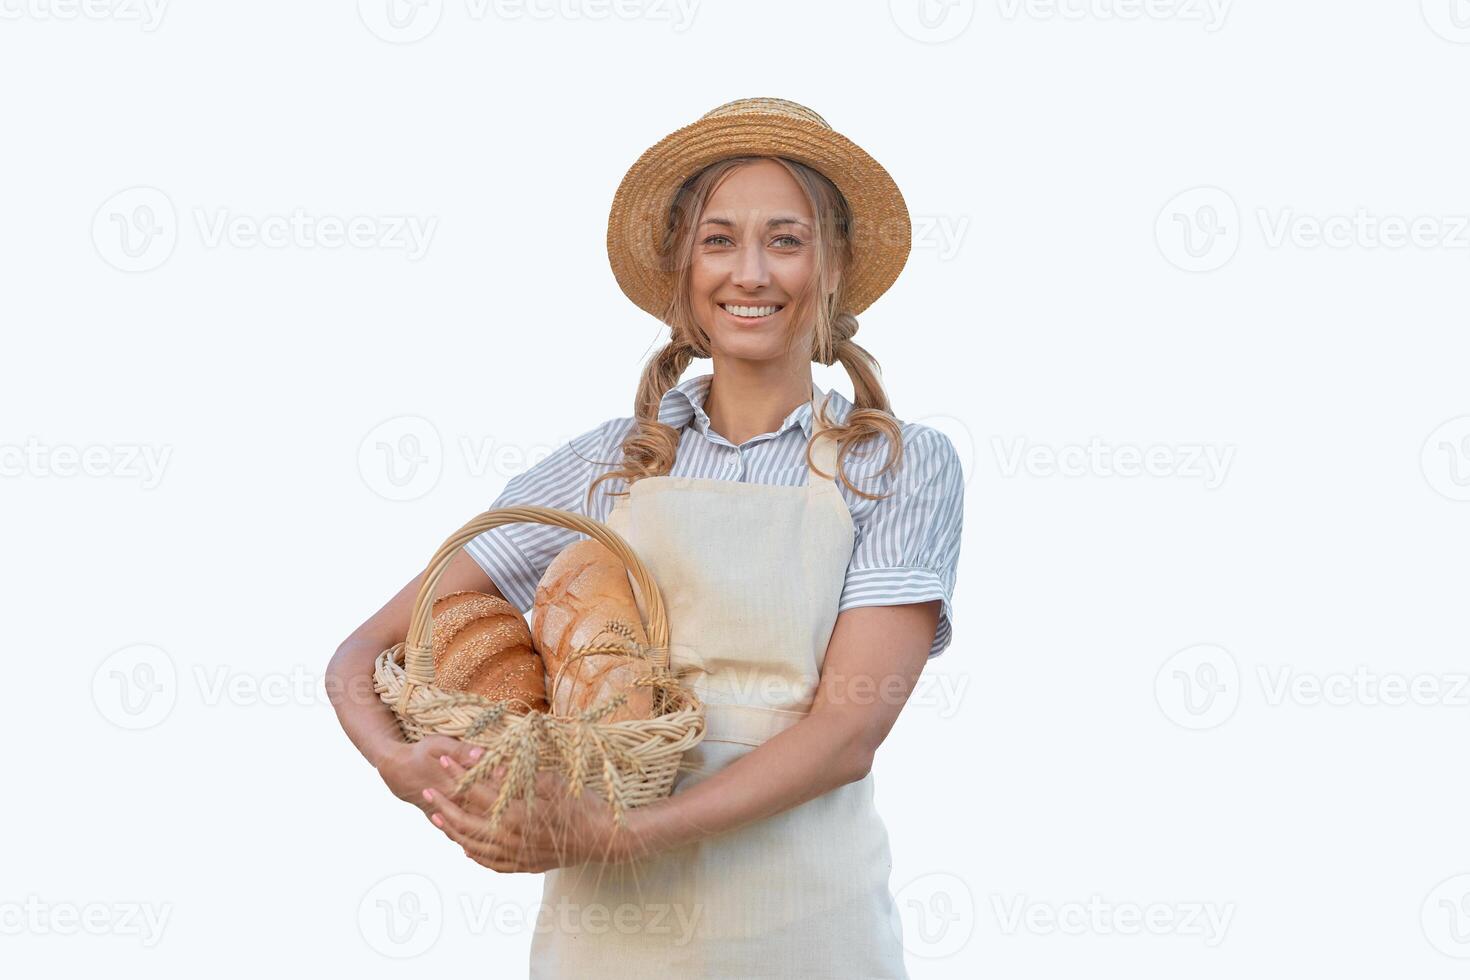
(907, 546)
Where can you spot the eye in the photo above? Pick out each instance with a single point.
(796, 242)
(713, 238)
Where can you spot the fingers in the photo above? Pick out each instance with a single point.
(500, 852)
(508, 853)
(493, 854)
(478, 800)
(460, 825)
(478, 797)
(466, 754)
(457, 749)
(512, 846)
(425, 769)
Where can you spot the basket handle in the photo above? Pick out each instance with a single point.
(418, 657)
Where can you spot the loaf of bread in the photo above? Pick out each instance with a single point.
(585, 589)
(481, 644)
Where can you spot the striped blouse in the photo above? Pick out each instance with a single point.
(906, 548)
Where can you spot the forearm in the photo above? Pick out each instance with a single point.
(812, 757)
(369, 723)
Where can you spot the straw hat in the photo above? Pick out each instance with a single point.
(881, 227)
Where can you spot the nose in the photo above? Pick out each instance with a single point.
(751, 271)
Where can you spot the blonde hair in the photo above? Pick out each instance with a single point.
(651, 448)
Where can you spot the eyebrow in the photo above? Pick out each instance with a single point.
(781, 219)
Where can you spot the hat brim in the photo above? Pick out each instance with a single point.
(881, 231)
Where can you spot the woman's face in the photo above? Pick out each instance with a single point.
(753, 250)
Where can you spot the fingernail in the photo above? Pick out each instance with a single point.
(438, 820)
(429, 795)
(476, 752)
(444, 761)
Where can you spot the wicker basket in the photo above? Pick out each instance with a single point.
(627, 763)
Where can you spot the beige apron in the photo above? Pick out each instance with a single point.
(751, 575)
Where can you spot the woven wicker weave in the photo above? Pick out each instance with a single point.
(627, 763)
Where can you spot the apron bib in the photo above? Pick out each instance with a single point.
(751, 575)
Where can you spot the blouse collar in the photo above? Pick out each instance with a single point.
(684, 403)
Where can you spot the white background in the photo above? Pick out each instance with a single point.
(1178, 694)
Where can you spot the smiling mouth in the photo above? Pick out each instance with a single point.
(754, 313)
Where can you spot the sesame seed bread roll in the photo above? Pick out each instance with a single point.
(481, 644)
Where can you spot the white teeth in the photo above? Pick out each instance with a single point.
(751, 311)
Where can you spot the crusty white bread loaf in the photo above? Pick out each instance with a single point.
(481, 644)
(584, 589)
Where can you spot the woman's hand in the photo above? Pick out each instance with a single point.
(558, 832)
(412, 767)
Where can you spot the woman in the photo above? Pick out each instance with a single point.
(807, 575)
